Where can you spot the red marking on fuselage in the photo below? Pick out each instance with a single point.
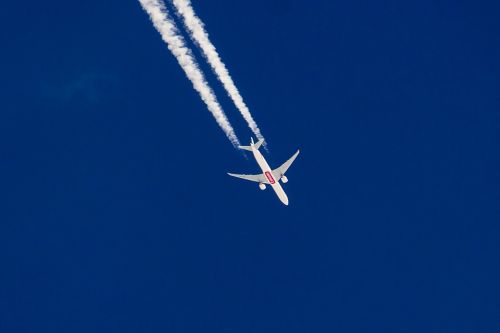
(270, 177)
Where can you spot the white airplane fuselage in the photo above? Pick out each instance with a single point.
(268, 173)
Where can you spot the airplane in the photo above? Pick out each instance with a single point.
(268, 176)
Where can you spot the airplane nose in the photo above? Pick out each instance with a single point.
(283, 197)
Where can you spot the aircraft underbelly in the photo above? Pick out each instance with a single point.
(280, 192)
(270, 177)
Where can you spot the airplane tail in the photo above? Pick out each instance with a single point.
(256, 145)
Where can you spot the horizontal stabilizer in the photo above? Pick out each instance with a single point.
(249, 148)
(256, 145)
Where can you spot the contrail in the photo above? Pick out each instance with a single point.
(166, 27)
(200, 37)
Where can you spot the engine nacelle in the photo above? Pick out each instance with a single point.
(284, 179)
(262, 186)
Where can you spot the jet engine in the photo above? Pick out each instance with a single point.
(262, 186)
(284, 179)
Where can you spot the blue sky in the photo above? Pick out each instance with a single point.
(117, 214)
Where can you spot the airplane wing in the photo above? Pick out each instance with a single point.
(254, 178)
(278, 172)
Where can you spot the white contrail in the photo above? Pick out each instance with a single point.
(200, 37)
(176, 44)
